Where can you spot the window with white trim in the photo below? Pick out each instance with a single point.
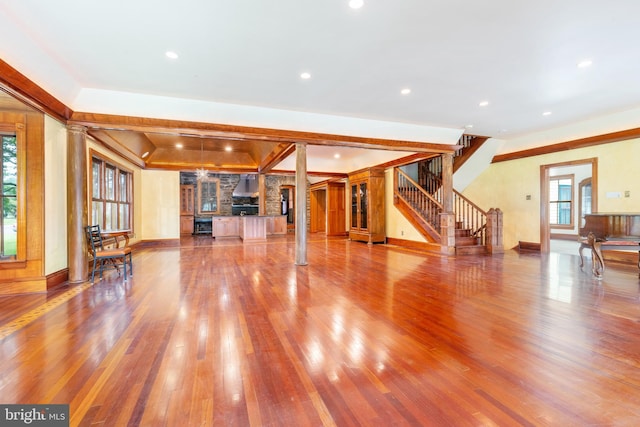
(561, 201)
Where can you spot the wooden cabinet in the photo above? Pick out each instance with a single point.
(253, 228)
(186, 224)
(277, 224)
(328, 208)
(367, 205)
(225, 226)
(187, 208)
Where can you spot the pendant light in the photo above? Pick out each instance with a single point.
(201, 173)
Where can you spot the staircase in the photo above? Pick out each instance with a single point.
(422, 204)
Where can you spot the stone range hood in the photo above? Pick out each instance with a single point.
(247, 187)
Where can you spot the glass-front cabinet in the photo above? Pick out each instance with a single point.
(367, 205)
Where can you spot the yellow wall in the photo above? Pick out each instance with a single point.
(55, 195)
(505, 185)
(397, 226)
(160, 204)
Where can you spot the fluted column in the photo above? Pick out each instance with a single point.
(77, 210)
(301, 204)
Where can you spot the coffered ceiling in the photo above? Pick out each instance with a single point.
(409, 70)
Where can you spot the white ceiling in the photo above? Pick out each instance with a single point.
(248, 55)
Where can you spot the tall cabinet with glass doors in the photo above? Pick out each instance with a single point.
(367, 206)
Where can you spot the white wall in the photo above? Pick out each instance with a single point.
(55, 196)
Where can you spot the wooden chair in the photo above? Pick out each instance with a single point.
(116, 257)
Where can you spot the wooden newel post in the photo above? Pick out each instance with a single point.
(494, 231)
(447, 233)
(447, 217)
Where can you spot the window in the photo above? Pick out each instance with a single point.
(9, 200)
(561, 201)
(111, 195)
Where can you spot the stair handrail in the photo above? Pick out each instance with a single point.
(418, 198)
(470, 216)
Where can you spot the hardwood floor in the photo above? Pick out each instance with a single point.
(221, 333)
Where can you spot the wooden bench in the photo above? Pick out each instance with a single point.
(596, 245)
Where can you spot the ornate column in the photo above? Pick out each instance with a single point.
(77, 209)
(447, 217)
(301, 204)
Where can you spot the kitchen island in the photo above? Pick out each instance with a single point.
(249, 228)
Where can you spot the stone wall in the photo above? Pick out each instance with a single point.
(228, 182)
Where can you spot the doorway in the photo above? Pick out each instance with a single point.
(550, 173)
(288, 208)
(318, 211)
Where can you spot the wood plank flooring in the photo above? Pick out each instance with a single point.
(217, 333)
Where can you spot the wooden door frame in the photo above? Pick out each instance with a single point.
(545, 227)
(292, 203)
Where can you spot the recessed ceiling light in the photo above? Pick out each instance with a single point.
(228, 148)
(484, 103)
(405, 91)
(468, 126)
(356, 4)
(585, 63)
(305, 76)
(178, 145)
(171, 54)
(336, 156)
(145, 154)
(546, 113)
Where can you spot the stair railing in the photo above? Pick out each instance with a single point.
(470, 217)
(417, 197)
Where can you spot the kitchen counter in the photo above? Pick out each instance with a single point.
(250, 228)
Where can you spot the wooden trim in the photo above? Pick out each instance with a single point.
(18, 85)
(570, 145)
(406, 160)
(545, 228)
(528, 246)
(57, 279)
(570, 237)
(281, 152)
(115, 147)
(328, 175)
(213, 130)
(467, 153)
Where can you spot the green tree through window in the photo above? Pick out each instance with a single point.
(9, 199)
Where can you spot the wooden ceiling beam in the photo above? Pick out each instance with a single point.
(281, 152)
(230, 132)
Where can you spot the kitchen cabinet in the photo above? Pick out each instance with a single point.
(367, 206)
(187, 208)
(277, 224)
(225, 226)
